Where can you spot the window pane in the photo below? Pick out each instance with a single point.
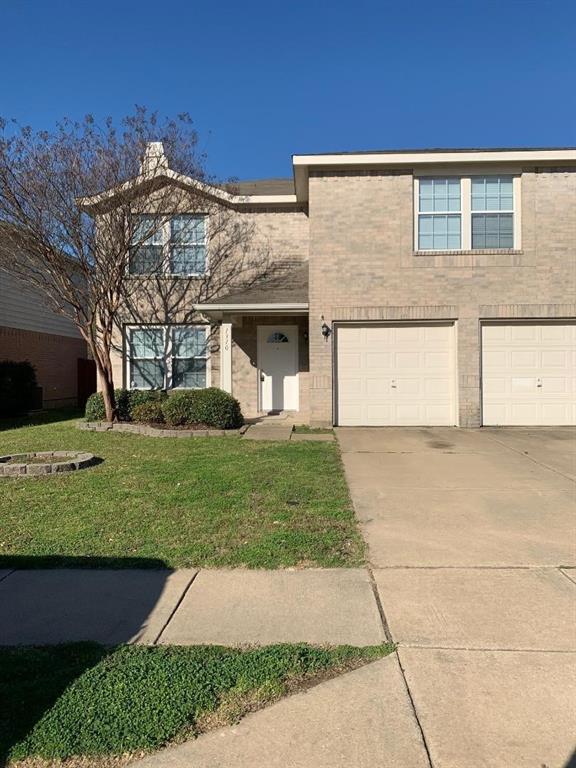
(148, 229)
(188, 260)
(189, 342)
(188, 229)
(492, 193)
(147, 374)
(146, 260)
(493, 230)
(439, 232)
(439, 195)
(189, 373)
(147, 343)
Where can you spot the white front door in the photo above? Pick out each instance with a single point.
(278, 367)
(396, 375)
(529, 373)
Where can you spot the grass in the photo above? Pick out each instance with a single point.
(212, 502)
(83, 700)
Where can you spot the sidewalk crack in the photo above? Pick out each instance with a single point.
(379, 606)
(415, 712)
(178, 604)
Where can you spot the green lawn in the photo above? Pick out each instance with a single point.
(176, 502)
(86, 700)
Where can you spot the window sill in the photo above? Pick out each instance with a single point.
(168, 275)
(472, 252)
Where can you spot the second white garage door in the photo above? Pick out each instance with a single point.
(529, 374)
(396, 375)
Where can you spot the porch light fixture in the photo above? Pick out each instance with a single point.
(326, 330)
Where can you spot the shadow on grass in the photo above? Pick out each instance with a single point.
(48, 416)
(41, 609)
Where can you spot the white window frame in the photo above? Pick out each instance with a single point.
(166, 235)
(466, 209)
(167, 357)
(419, 213)
(169, 245)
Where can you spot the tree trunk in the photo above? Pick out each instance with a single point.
(108, 395)
(106, 380)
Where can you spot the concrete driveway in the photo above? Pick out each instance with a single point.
(472, 545)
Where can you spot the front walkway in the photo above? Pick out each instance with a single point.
(280, 427)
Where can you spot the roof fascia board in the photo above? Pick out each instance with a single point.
(279, 306)
(303, 163)
(187, 181)
(420, 158)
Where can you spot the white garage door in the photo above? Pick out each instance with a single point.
(529, 374)
(395, 375)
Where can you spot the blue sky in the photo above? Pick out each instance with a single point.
(263, 80)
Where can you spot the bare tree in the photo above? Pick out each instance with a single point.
(86, 215)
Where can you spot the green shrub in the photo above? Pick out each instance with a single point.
(17, 387)
(126, 401)
(212, 407)
(218, 409)
(94, 410)
(179, 408)
(149, 412)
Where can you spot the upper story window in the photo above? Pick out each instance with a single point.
(467, 213)
(188, 245)
(175, 246)
(168, 357)
(439, 214)
(494, 226)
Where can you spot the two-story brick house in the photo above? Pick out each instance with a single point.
(433, 287)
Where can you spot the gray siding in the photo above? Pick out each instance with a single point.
(21, 307)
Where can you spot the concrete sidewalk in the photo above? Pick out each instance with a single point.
(186, 607)
(363, 719)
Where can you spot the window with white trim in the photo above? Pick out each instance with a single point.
(439, 214)
(188, 245)
(147, 358)
(492, 212)
(175, 245)
(147, 253)
(467, 213)
(168, 357)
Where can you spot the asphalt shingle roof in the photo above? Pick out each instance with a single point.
(285, 287)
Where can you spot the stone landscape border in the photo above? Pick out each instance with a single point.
(145, 429)
(56, 462)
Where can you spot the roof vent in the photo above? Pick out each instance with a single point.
(154, 160)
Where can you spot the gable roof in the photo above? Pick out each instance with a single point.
(266, 192)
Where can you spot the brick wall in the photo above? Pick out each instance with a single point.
(363, 267)
(54, 357)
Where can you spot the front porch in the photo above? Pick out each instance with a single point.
(263, 355)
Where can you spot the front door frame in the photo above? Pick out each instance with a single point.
(262, 334)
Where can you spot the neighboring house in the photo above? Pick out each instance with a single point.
(432, 287)
(30, 330)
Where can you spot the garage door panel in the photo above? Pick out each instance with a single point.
(555, 358)
(406, 361)
(437, 360)
(379, 360)
(529, 374)
(403, 375)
